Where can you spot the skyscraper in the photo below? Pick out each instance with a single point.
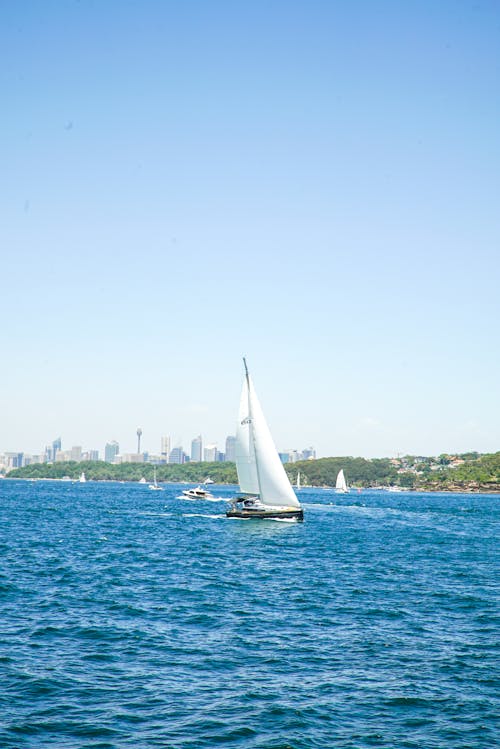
(210, 453)
(176, 455)
(165, 449)
(231, 448)
(196, 449)
(56, 447)
(111, 450)
(76, 453)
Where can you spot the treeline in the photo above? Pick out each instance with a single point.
(358, 471)
(482, 473)
(97, 470)
(322, 472)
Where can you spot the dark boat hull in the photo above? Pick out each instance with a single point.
(265, 515)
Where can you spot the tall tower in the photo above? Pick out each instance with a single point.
(111, 450)
(196, 449)
(165, 449)
(230, 448)
(139, 434)
(56, 447)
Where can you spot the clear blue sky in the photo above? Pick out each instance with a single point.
(312, 184)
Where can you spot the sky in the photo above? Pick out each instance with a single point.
(312, 185)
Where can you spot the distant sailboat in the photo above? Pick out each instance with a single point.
(297, 485)
(82, 478)
(154, 486)
(341, 484)
(266, 489)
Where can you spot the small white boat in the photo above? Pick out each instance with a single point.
(266, 489)
(154, 486)
(208, 481)
(341, 484)
(82, 478)
(197, 493)
(297, 485)
(142, 481)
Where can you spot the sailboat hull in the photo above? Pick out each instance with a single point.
(246, 514)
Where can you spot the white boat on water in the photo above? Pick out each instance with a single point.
(208, 481)
(266, 489)
(197, 493)
(297, 485)
(341, 484)
(142, 480)
(154, 486)
(82, 478)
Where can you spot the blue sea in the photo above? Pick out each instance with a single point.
(133, 618)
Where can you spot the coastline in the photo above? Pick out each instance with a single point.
(472, 488)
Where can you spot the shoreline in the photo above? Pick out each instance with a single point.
(389, 489)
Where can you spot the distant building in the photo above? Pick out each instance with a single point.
(29, 459)
(93, 454)
(292, 456)
(210, 453)
(56, 446)
(51, 451)
(177, 456)
(13, 460)
(231, 448)
(196, 449)
(111, 450)
(154, 458)
(76, 453)
(165, 449)
(132, 458)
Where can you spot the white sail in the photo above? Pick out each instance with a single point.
(298, 479)
(273, 484)
(341, 484)
(244, 448)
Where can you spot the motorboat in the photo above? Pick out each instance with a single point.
(197, 493)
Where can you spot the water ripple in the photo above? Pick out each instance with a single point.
(128, 622)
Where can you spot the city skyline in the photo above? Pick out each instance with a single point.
(169, 453)
(314, 186)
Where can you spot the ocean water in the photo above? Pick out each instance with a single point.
(132, 618)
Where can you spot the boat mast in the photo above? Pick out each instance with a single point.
(250, 426)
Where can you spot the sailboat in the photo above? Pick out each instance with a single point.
(154, 486)
(266, 489)
(341, 483)
(297, 485)
(82, 478)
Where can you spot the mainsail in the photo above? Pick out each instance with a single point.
(259, 467)
(244, 448)
(341, 484)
